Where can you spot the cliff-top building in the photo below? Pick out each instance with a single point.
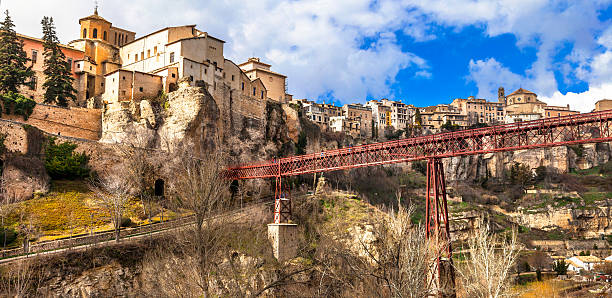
(275, 83)
(34, 50)
(524, 105)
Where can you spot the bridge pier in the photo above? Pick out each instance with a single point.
(437, 228)
(281, 233)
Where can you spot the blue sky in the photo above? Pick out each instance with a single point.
(422, 52)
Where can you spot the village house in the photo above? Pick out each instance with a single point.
(479, 110)
(34, 49)
(275, 83)
(362, 114)
(602, 105)
(434, 117)
(350, 126)
(582, 263)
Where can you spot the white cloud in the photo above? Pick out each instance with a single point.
(584, 101)
(346, 49)
(489, 75)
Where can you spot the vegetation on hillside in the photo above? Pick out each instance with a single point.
(62, 162)
(17, 104)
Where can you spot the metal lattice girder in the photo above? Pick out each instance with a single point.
(575, 129)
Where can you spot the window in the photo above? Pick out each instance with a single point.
(115, 38)
(84, 33)
(95, 33)
(104, 35)
(142, 55)
(174, 75)
(148, 53)
(102, 84)
(70, 63)
(242, 86)
(140, 89)
(254, 91)
(155, 50)
(124, 78)
(205, 70)
(191, 78)
(135, 57)
(172, 57)
(232, 78)
(123, 92)
(34, 56)
(261, 94)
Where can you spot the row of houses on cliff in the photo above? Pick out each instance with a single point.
(109, 64)
(376, 117)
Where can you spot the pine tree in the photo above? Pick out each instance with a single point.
(13, 70)
(58, 79)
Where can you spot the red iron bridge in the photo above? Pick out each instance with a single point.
(549, 132)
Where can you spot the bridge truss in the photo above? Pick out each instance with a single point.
(549, 132)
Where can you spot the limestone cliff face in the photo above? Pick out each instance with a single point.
(589, 223)
(205, 119)
(493, 164)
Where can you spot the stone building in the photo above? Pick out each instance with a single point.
(318, 113)
(381, 114)
(34, 50)
(362, 114)
(100, 41)
(275, 83)
(602, 105)
(524, 104)
(480, 110)
(433, 117)
(350, 126)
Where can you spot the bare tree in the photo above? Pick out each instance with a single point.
(17, 278)
(139, 169)
(200, 187)
(112, 194)
(487, 271)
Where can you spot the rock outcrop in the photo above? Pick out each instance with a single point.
(493, 165)
(23, 176)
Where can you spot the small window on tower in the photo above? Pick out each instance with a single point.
(140, 89)
(95, 33)
(172, 57)
(84, 33)
(232, 78)
(104, 36)
(242, 86)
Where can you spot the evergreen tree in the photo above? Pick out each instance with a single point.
(13, 70)
(58, 79)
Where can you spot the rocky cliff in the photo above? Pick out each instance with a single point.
(563, 159)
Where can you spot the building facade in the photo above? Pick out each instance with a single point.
(361, 114)
(434, 117)
(34, 50)
(275, 83)
(480, 110)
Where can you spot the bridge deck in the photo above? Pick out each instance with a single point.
(549, 132)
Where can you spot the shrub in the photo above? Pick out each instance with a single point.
(560, 267)
(17, 104)
(420, 166)
(520, 174)
(126, 222)
(62, 162)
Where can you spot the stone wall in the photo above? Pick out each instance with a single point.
(73, 122)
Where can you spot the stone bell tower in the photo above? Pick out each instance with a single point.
(501, 96)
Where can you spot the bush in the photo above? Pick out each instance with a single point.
(62, 162)
(126, 222)
(420, 166)
(17, 104)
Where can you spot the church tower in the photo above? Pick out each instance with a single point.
(501, 96)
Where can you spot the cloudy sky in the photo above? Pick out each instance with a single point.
(422, 52)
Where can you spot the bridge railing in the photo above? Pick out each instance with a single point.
(557, 131)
